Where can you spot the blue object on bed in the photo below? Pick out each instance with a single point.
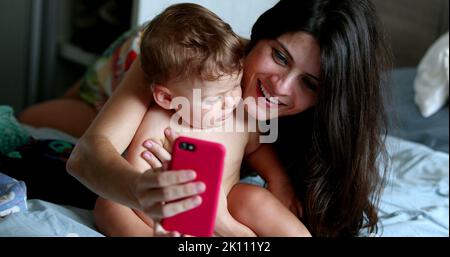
(13, 195)
(45, 219)
(406, 120)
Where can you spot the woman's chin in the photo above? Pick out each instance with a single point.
(260, 114)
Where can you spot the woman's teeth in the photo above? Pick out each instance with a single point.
(272, 100)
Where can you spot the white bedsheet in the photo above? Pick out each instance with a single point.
(415, 200)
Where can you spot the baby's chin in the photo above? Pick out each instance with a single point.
(202, 125)
(218, 122)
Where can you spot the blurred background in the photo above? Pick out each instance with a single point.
(47, 45)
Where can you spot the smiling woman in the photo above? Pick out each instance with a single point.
(286, 69)
(326, 60)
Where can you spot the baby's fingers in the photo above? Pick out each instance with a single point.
(171, 136)
(152, 160)
(156, 150)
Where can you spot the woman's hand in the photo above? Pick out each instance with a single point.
(169, 186)
(154, 189)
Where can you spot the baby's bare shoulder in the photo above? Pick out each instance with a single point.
(152, 126)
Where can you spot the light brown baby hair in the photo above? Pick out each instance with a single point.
(188, 41)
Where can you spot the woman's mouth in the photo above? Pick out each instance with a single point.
(271, 101)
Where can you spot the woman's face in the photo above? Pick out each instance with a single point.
(286, 68)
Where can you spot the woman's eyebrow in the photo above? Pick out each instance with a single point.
(285, 49)
(292, 59)
(313, 77)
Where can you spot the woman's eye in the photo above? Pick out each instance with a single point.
(279, 57)
(309, 85)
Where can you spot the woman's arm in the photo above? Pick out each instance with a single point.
(96, 160)
(263, 159)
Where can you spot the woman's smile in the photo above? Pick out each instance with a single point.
(275, 73)
(271, 100)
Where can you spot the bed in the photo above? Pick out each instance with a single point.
(414, 203)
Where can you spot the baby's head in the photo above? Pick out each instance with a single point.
(188, 47)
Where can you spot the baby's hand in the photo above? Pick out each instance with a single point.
(157, 156)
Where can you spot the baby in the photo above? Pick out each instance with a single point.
(193, 61)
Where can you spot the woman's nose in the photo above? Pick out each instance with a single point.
(280, 84)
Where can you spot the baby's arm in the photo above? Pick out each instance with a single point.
(263, 159)
(113, 219)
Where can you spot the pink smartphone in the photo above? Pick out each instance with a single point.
(207, 160)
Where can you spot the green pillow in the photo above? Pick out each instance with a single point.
(12, 134)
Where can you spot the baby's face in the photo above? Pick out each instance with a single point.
(211, 103)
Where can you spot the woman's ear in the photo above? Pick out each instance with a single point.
(163, 96)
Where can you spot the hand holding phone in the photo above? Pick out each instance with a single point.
(207, 160)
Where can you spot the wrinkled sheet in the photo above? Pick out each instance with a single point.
(415, 200)
(44, 219)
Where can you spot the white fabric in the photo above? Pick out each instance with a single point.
(431, 84)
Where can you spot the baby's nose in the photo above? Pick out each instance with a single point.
(228, 102)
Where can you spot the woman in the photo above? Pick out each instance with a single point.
(325, 60)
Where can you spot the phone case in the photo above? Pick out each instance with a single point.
(207, 159)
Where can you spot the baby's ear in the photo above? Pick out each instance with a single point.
(163, 96)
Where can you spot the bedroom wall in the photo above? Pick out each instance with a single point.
(413, 25)
(31, 69)
(14, 28)
(241, 19)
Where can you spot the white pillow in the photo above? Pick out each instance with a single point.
(431, 84)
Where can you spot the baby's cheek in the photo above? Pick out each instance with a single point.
(208, 111)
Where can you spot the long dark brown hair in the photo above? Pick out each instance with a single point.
(338, 145)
